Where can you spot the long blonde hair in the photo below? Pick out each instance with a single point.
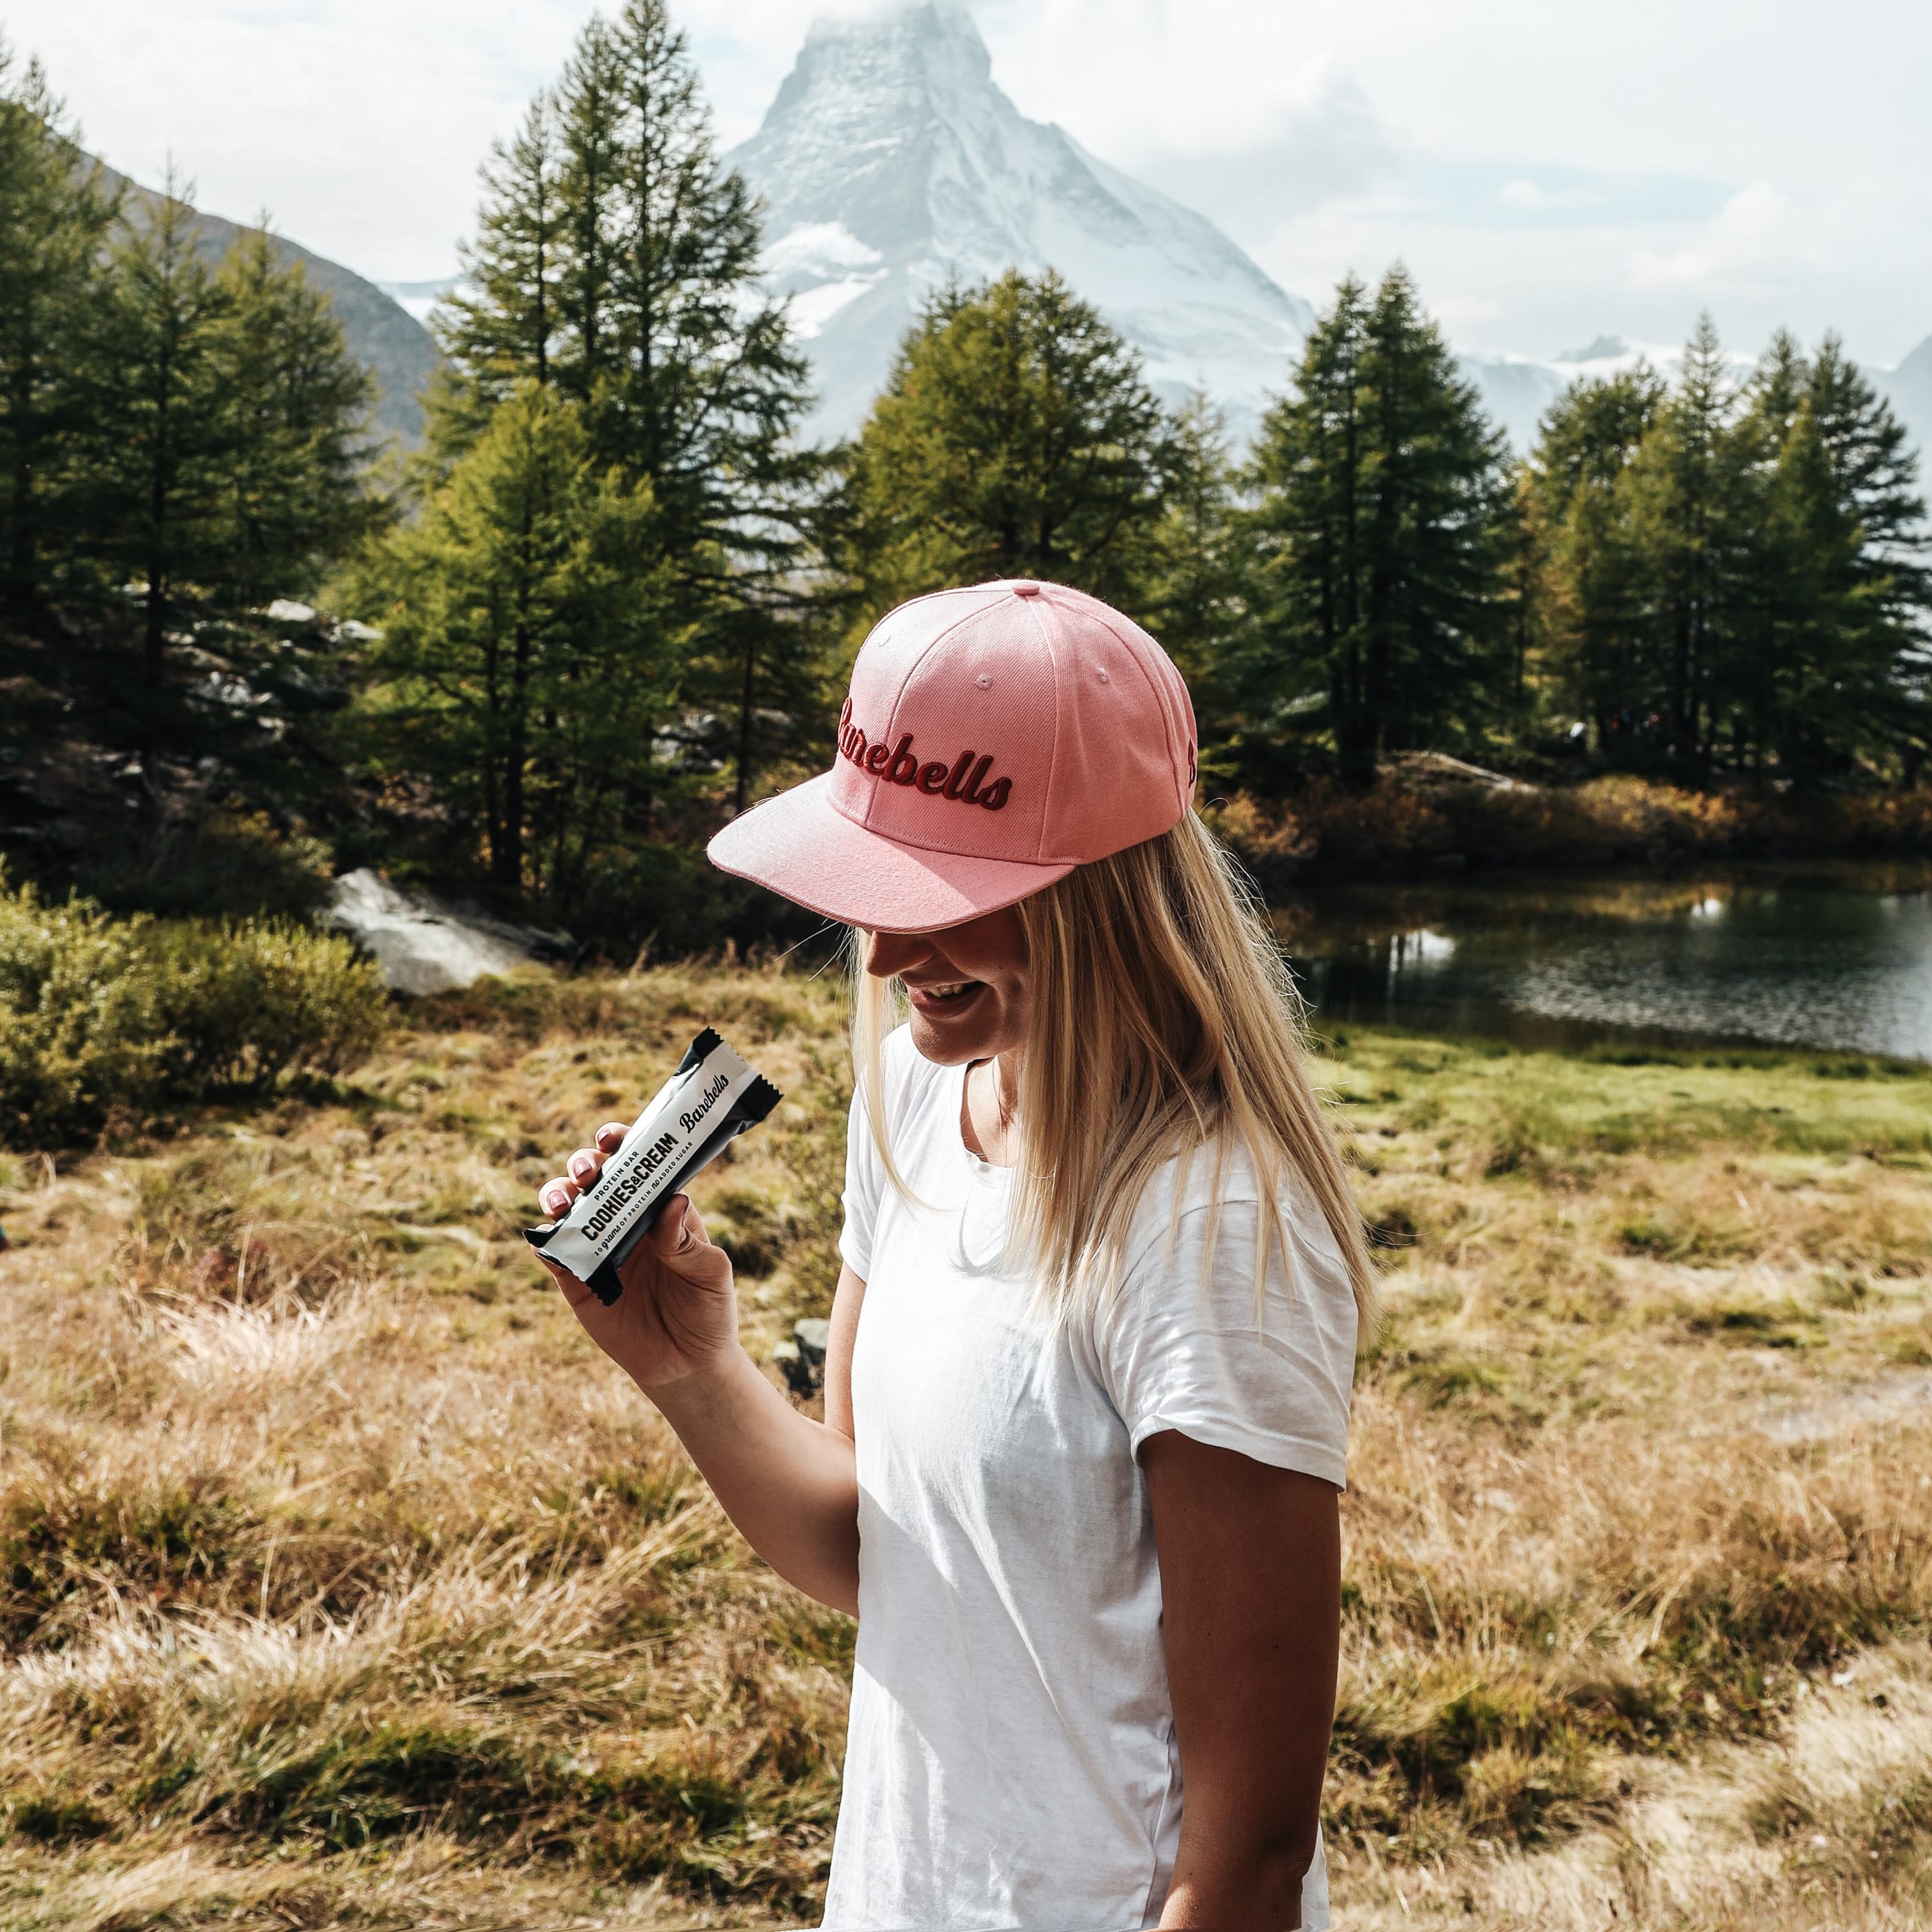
(1164, 1024)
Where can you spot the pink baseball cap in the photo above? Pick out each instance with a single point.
(995, 739)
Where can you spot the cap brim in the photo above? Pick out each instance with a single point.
(801, 846)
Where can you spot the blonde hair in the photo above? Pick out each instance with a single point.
(1164, 1024)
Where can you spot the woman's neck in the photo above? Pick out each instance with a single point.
(989, 1110)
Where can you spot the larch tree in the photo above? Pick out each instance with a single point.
(1686, 492)
(162, 427)
(1834, 595)
(292, 479)
(499, 327)
(54, 218)
(619, 262)
(1016, 437)
(1383, 516)
(1591, 615)
(529, 643)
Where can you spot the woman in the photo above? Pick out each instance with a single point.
(1086, 1402)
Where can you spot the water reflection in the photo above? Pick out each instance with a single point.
(1843, 961)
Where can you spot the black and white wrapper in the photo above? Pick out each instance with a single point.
(713, 1097)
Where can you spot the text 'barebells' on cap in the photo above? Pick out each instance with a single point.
(994, 738)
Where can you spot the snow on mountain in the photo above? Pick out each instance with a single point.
(891, 160)
(1516, 389)
(1909, 389)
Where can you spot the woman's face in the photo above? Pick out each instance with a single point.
(970, 993)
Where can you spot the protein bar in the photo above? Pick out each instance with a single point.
(713, 1097)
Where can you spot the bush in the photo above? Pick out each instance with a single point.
(1327, 831)
(221, 865)
(102, 1018)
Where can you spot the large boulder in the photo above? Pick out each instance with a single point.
(424, 946)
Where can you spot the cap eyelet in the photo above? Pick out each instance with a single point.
(1102, 674)
(984, 682)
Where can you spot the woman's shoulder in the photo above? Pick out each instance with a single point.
(1223, 1184)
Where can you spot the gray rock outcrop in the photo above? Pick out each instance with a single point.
(424, 946)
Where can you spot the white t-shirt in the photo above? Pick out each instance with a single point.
(1011, 1760)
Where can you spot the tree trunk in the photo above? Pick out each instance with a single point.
(742, 795)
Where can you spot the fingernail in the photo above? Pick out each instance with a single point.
(555, 1201)
(582, 1166)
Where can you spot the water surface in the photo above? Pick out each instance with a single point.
(1836, 959)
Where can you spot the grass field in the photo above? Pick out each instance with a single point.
(341, 1583)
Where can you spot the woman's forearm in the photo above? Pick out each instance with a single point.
(790, 1484)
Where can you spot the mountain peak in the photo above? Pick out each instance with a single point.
(942, 26)
(891, 160)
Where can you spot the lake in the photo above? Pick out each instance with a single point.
(1836, 959)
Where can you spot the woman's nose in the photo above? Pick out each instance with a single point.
(891, 953)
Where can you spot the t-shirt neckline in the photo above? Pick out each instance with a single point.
(981, 1170)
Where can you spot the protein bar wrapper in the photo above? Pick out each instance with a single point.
(713, 1097)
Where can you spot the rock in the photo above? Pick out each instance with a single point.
(1437, 771)
(802, 1359)
(424, 946)
(795, 1369)
(287, 610)
(302, 693)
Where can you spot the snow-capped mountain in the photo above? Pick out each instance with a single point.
(890, 160)
(1909, 388)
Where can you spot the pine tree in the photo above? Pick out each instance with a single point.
(1197, 595)
(292, 471)
(530, 637)
(1303, 663)
(54, 218)
(162, 427)
(1384, 511)
(590, 120)
(1015, 436)
(1835, 588)
(499, 327)
(1592, 623)
(620, 263)
(1686, 496)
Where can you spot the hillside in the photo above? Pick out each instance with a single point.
(394, 347)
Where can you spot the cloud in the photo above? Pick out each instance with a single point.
(1495, 147)
(1319, 140)
(1759, 228)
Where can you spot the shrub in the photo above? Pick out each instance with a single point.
(101, 1017)
(222, 865)
(1327, 831)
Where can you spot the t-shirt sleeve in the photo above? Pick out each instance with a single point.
(865, 1181)
(1184, 1347)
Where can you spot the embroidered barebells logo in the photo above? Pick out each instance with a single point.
(960, 781)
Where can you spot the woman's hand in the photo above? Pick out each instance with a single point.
(678, 1316)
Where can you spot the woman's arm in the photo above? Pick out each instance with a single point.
(1251, 1587)
(790, 1484)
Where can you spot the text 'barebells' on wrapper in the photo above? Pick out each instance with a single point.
(713, 1097)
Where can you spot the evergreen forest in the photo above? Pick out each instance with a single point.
(614, 598)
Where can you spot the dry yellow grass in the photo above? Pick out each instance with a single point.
(342, 1583)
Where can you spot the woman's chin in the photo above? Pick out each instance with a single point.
(955, 1031)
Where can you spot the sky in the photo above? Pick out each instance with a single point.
(1550, 173)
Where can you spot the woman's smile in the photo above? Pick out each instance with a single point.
(946, 997)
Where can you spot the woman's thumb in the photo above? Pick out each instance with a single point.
(679, 1239)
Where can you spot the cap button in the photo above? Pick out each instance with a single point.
(1026, 590)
